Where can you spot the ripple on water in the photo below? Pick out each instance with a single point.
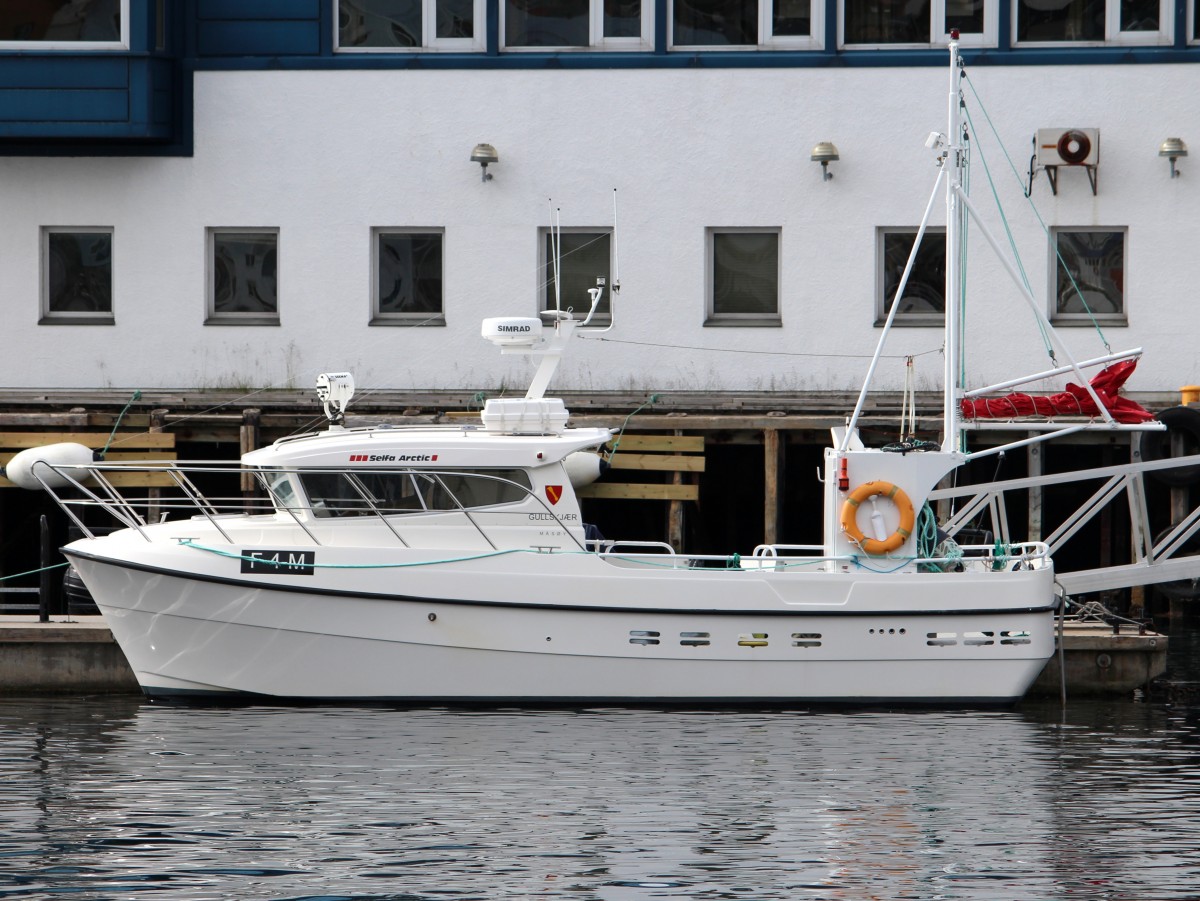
(109, 798)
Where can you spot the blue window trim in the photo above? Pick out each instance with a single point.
(831, 56)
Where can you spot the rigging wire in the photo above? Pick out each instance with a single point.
(1012, 242)
(1033, 206)
(761, 353)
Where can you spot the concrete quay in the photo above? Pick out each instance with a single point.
(78, 655)
(69, 655)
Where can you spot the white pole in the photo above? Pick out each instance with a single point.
(955, 159)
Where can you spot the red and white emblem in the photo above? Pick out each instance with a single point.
(553, 493)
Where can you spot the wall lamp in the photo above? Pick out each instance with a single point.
(1172, 149)
(825, 153)
(484, 154)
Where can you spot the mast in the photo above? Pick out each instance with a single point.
(956, 163)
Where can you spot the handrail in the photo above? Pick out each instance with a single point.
(194, 502)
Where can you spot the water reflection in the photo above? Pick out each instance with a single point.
(111, 798)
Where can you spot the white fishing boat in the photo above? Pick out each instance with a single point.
(452, 563)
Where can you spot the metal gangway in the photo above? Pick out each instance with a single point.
(1154, 560)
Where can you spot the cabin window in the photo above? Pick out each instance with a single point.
(1089, 275)
(282, 489)
(743, 277)
(714, 24)
(243, 276)
(585, 255)
(402, 25)
(1088, 22)
(566, 24)
(924, 299)
(366, 493)
(407, 268)
(892, 23)
(77, 276)
(64, 24)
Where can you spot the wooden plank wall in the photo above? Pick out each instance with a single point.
(674, 454)
(126, 446)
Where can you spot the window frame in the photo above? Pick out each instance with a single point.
(596, 40)
(903, 320)
(313, 490)
(815, 40)
(412, 320)
(122, 43)
(713, 319)
(938, 37)
(1113, 35)
(74, 317)
(545, 271)
(430, 42)
(212, 317)
(1058, 318)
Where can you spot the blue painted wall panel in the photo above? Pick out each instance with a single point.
(64, 71)
(36, 106)
(253, 38)
(258, 9)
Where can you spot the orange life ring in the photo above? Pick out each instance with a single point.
(874, 546)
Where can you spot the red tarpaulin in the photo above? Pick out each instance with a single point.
(1075, 401)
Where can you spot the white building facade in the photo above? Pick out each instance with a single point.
(290, 189)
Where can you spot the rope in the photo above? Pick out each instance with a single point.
(908, 403)
(34, 572)
(650, 402)
(1000, 553)
(733, 563)
(259, 560)
(137, 395)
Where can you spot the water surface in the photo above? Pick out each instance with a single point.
(119, 798)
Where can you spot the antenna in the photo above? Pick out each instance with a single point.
(614, 288)
(616, 278)
(556, 252)
(334, 390)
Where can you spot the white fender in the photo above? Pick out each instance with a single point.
(23, 469)
(583, 467)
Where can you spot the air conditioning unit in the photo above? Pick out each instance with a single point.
(1067, 146)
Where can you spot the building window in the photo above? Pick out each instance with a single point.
(890, 23)
(397, 25)
(743, 276)
(64, 24)
(565, 24)
(407, 275)
(792, 24)
(77, 276)
(1090, 22)
(1193, 18)
(924, 300)
(585, 255)
(243, 276)
(1089, 275)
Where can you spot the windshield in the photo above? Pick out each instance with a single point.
(371, 493)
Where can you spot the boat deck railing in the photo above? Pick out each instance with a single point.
(812, 557)
(177, 495)
(252, 492)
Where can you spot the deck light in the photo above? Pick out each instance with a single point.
(1172, 149)
(825, 153)
(484, 154)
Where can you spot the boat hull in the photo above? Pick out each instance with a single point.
(657, 638)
